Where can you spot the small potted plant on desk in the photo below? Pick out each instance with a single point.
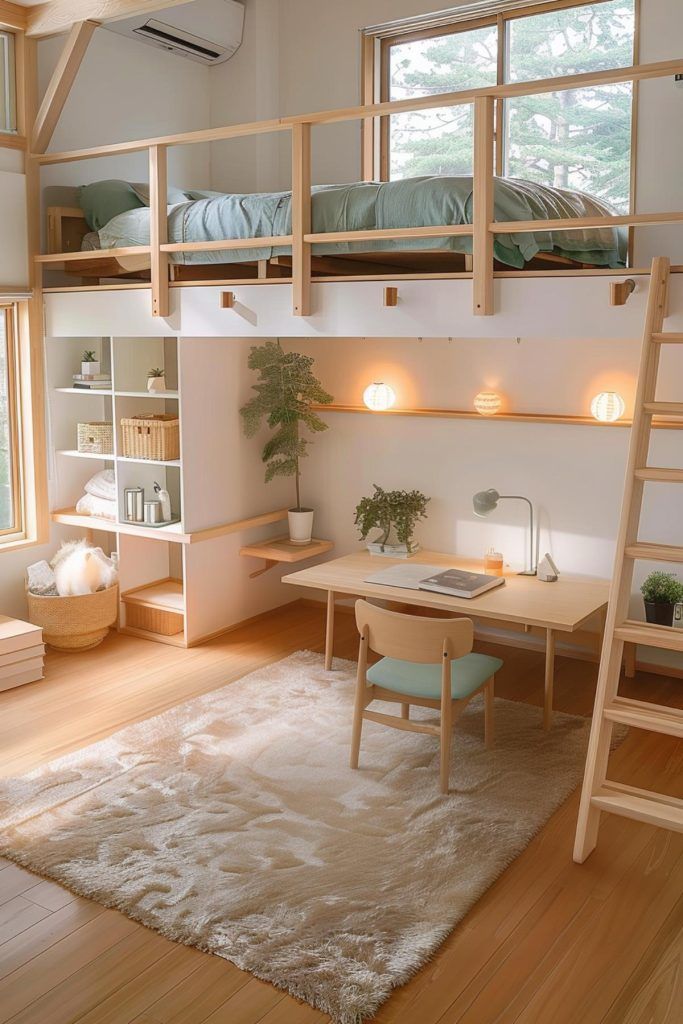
(285, 394)
(661, 591)
(156, 379)
(90, 364)
(395, 513)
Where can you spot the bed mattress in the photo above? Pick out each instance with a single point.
(413, 202)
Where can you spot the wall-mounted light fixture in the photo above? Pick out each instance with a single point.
(487, 403)
(379, 396)
(607, 407)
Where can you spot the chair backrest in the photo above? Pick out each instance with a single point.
(413, 637)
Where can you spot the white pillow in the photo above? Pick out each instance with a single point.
(102, 485)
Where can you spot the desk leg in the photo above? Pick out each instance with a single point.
(549, 678)
(329, 631)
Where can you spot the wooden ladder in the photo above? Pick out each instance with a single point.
(598, 793)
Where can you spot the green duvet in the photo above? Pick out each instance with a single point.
(414, 202)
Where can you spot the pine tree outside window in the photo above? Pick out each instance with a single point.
(578, 139)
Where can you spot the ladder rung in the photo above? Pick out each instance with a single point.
(655, 552)
(650, 636)
(640, 804)
(664, 408)
(668, 338)
(641, 715)
(671, 476)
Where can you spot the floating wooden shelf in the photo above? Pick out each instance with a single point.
(281, 549)
(518, 417)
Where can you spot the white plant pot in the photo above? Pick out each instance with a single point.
(90, 369)
(300, 525)
(156, 383)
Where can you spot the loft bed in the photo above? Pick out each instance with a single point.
(472, 216)
(115, 214)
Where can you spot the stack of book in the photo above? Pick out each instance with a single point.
(21, 652)
(92, 382)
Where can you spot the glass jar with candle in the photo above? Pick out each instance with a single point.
(493, 563)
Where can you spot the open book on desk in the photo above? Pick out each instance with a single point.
(452, 582)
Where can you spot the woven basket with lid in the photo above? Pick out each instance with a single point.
(151, 437)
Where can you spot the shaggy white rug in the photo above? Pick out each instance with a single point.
(233, 823)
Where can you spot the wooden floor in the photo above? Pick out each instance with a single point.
(549, 943)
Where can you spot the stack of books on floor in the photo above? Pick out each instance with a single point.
(92, 382)
(21, 652)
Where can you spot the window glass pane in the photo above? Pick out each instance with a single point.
(437, 141)
(579, 139)
(6, 497)
(7, 84)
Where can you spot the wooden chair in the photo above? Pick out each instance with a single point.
(426, 662)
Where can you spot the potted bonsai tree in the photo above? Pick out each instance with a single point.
(156, 379)
(285, 394)
(395, 514)
(90, 364)
(661, 591)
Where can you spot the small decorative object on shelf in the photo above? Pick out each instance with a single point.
(285, 392)
(156, 379)
(662, 592)
(151, 437)
(487, 403)
(164, 500)
(90, 364)
(379, 396)
(92, 381)
(96, 438)
(547, 571)
(134, 504)
(396, 514)
(152, 512)
(607, 407)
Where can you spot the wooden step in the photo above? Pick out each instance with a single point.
(649, 635)
(640, 804)
(670, 476)
(655, 552)
(664, 408)
(668, 338)
(642, 715)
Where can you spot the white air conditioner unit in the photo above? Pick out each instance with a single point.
(208, 31)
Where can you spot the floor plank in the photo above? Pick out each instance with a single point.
(533, 949)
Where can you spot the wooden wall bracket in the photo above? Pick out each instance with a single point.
(619, 291)
(391, 296)
(227, 300)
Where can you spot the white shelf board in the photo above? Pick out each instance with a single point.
(85, 391)
(69, 517)
(147, 394)
(149, 462)
(87, 455)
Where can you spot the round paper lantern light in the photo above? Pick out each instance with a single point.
(487, 403)
(379, 396)
(607, 407)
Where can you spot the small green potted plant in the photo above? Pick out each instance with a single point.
(156, 379)
(286, 392)
(90, 364)
(661, 591)
(395, 514)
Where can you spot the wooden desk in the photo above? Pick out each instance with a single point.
(560, 607)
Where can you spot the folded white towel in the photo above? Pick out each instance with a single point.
(102, 485)
(91, 505)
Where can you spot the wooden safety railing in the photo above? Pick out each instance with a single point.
(482, 229)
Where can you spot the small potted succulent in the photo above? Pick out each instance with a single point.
(395, 514)
(156, 379)
(90, 364)
(661, 591)
(285, 395)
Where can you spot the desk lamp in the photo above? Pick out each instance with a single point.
(485, 502)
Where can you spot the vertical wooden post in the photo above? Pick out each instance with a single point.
(482, 238)
(301, 219)
(158, 229)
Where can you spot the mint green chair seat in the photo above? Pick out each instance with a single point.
(468, 674)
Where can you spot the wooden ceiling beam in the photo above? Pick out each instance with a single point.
(12, 16)
(60, 84)
(48, 19)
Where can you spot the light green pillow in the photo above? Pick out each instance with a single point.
(102, 200)
(198, 193)
(141, 190)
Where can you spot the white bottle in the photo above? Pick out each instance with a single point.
(165, 500)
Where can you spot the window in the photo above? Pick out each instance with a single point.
(11, 504)
(8, 104)
(578, 139)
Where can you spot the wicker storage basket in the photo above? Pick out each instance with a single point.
(151, 437)
(96, 437)
(75, 623)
